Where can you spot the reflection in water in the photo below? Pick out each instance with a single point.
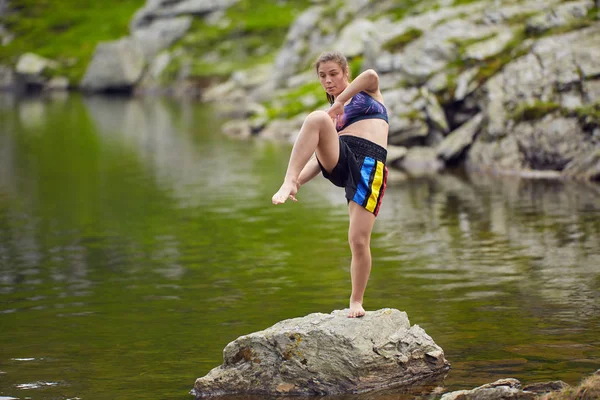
(136, 241)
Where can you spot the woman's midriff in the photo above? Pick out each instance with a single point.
(374, 130)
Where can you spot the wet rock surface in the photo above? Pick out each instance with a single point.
(327, 354)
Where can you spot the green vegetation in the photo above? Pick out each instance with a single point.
(290, 104)
(589, 389)
(588, 115)
(487, 67)
(65, 30)
(355, 65)
(254, 32)
(398, 43)
(537, 110)
(403, 9)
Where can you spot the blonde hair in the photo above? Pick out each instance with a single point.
(336, 57)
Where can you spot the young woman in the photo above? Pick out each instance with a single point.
(349, 141)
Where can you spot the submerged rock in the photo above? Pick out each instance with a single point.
(509, 388)
(323, 354)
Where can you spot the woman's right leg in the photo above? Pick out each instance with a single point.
(318, 135)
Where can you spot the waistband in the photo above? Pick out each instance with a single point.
(364, 147)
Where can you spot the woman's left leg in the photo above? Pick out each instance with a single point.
(359, 237)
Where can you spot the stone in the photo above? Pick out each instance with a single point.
(546, 387)
(560, 15)
(407, 131)
(585, 166)
(58, 83)
(501, 155)
(355, 37)
(282, 129)
(421, 161)
(453, 145)
(435, 113)
(237, 128)
(465, 84)
(489, 47)
(161, 34)
(502, 389)
(32, 64)
(290, 56)
(551, 142)
(438, 82)
(116, 65)
(591, 90)
(327, 354)
(8, 80)
(157, 9)
(395, 153)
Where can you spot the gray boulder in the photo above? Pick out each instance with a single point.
(161, 34)
(8, 79)
(117, 65)
(502, 389)
(421, 161)
(456, 142)
(323, 354)
(560, 15)
(156, 9)
(296, 47)
(34, 65)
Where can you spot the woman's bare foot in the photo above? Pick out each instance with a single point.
(287, 190)
(356, 309)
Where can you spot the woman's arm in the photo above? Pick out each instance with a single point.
(367, 81)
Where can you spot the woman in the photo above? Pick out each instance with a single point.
(349, 141)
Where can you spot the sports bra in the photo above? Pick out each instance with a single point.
(362, 106)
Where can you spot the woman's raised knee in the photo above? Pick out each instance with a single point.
(318, 117)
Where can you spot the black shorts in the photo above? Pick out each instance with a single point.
(361, 171)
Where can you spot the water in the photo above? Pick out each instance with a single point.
(136, 241)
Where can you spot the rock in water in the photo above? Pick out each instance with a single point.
(323, 354)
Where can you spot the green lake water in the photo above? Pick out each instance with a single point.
(137, 240)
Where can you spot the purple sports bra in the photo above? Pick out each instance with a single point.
(362, 106)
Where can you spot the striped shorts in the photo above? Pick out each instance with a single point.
(361, 171)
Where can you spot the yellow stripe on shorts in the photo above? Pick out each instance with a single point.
(375, 187)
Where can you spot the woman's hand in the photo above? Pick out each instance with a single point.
(336, 109)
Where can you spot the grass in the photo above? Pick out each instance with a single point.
(256, 31)
(534, 111)
(398, 43)
(289, 104)
(589, 389)
(65, 30)
(588, 115)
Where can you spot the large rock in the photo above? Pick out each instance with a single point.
(503, 389)
(156, 9)
(115, 65)
(327, 354)
(161, 34)
(560, 71)
(301, 36)
(453, 145)
(8, 79)
(560, 15)
(32, 64)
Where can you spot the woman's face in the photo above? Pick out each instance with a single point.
(333, 79)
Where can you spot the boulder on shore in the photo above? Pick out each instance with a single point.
(116, 65)
(322, 354)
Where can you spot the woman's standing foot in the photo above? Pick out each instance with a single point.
(356, 309)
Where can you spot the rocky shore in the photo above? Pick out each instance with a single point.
(331, 354)
(497, 86)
